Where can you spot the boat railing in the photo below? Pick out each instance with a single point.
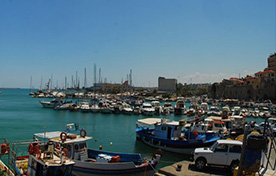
(271, 148)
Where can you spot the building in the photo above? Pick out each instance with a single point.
(168, 85)
(271, 62)
(260, 87)
(267, 76)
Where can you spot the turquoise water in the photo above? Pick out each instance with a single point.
(21, 116)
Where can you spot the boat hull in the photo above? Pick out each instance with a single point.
(47, 104)
(122, 168)
(107, 169)
(177, 146)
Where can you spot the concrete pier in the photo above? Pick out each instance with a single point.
(188, 169)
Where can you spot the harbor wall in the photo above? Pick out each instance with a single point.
(243, 92)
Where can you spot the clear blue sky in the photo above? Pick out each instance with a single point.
(201, 41)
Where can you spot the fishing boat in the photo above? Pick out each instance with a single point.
(98, 162)
(36, 158)
(171, 136)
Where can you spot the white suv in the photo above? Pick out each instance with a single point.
(224, 153)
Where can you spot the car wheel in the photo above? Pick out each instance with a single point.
(200, 163)
(234, 165)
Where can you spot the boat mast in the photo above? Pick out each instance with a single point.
(31, 82)
(85, 79)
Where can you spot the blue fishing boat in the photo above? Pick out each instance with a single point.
(172, 136)
(97, 162)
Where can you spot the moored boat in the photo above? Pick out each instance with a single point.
(51, 104)
(170, 136)
(36, 158)
(180, 107)
(98, 162)
(147, 109)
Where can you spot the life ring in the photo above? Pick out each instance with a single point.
(57, 145)
(63, 136)
(83, 133)
(65, 152)
(31, 149)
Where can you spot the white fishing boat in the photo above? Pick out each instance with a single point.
(36, 158)
(97, 162)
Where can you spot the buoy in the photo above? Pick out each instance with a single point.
(111, 143)
(100, 147)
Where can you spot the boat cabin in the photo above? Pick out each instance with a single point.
(168, 130)
(39, 158)
(76, 145)
(163, 129)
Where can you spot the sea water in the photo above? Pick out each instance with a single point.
(21, 116)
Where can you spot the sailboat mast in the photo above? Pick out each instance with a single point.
(85, 79)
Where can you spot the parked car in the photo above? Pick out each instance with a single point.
(224, 153)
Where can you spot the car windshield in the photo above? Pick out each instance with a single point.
(214, 146)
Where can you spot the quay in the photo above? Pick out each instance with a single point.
(187, 168)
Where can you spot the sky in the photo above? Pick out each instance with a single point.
(195, 41)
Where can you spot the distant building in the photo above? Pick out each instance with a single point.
(168, 85)
(271, 62)
(268, 76)
(260, 87)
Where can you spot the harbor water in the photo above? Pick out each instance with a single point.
(21, 116)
